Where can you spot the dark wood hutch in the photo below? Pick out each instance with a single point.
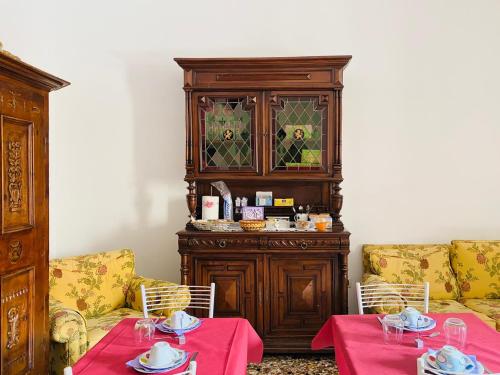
(268, 124)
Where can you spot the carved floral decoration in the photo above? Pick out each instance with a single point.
(14, 173)
(12, 327)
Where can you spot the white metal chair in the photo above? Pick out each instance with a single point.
(169, 297)
(393, 295)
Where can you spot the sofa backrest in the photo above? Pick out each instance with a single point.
(93, 284)
(414, 264)
(477, 266)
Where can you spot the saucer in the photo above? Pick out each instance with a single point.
(166, 328)
(179, 357)
(431, 361)
(139, 367)
(431, 323)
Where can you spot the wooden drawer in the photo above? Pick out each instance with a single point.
(264, 78)
(223, 243)
(304, 243)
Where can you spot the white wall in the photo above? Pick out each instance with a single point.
(421, 112)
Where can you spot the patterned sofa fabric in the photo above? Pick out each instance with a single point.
(92, 284)
(414, 264)
(488, 307)
(97, 328)
(89, 295)
(134, 298)
(379, 305)
(68, 336)
(452, 306)
(477, 265)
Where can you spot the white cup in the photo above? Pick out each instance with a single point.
(161, 354)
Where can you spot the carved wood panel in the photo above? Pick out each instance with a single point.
(300, 294)
(17, 321)
(235, 286)
(17, 174)
(222, 243)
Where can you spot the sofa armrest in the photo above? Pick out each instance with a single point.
(394, 307)
(65, 323)
(134, 298)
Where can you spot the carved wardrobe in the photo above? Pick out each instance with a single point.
(24, 238)
(268, 124)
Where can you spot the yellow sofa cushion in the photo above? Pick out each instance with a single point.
(98, 327)
(92, 284)
(452, 306)
(414, 264)
(477, 265)
(489, 307)
(179, 292)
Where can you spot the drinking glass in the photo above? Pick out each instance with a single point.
(455, 331)
(393, 329)
(144, 330)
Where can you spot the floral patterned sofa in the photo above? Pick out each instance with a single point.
(88, 296)
(463, 276)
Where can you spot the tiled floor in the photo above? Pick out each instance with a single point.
(295, 365)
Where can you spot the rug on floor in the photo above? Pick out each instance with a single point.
(294, 365)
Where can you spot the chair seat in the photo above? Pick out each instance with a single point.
(452, 306)
(489, 307)
(97, 328)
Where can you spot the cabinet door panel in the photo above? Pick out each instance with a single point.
(299, 132)
(227, 125)
(235, 286)
(17, 322)
(300, 291)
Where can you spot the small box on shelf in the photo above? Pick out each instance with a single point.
(283, 202)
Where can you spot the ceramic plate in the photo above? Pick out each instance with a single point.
(166, 328)
(431, 361)
(430, 325)
(178, 359)
(426, 323)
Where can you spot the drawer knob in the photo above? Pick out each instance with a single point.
(221, 243)
(303, 245)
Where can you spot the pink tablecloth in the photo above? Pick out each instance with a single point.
(225, 347)
(359, 346)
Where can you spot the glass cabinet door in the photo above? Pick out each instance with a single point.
(299, 133)
(227, 138)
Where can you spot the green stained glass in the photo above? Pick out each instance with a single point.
(227, 130)
(299, 127)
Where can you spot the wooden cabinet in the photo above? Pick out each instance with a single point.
(235, 279)
(268, 124)
(287, 287)
(24, 246)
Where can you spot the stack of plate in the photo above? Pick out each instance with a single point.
(430, 363)
(140, 363)
(166, 327)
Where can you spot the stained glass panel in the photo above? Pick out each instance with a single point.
(299, 128)
(227, 134)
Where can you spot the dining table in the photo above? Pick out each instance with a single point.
(225, 346)
(360, 349)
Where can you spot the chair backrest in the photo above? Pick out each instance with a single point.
(393, 295)
(173, 297)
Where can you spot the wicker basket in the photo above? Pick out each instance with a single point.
(252, 225)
